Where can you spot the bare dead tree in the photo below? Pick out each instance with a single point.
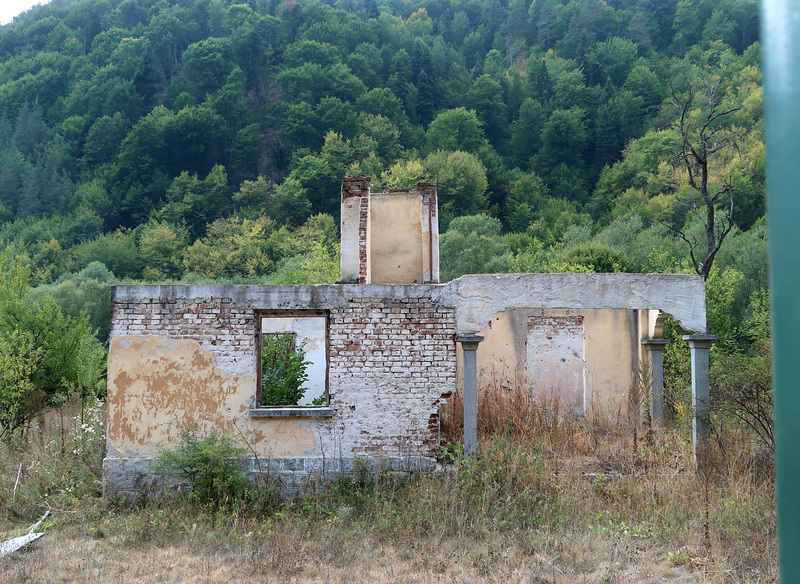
(700, 139)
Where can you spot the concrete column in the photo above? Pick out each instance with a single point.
(700, 345)
(469, 346)
(655, 360)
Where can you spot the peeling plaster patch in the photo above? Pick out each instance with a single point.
(286, 438)
(159, 386)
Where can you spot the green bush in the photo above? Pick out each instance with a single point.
(742, 388)
(741, 382)
(212, 466)
(283, 370)
(44, 356)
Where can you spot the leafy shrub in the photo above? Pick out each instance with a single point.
(210, 464)
(473, 245)
(44, 355)
(741, 382)
(87, 292)
(283, 370)
(742, 387)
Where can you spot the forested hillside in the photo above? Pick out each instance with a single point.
(207, 138)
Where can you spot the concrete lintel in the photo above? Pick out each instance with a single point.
(481, 296)
(476, 298)
(281, 297)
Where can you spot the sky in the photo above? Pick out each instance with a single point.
(10, 8)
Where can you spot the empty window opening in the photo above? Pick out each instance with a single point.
(293, 364)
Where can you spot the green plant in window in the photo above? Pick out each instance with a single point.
(283, 370)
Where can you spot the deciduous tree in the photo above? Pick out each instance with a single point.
(44, 356)
(703, 136)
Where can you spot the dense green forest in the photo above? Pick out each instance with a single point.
(206, 139)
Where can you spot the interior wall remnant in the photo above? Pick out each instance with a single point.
(524, 347)
(395, 245)
(389, 236)
(555, 363)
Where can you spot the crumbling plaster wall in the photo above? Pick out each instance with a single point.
(584, 358)
(185, 356)
(389, 236)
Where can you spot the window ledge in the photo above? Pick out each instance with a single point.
(293, 412)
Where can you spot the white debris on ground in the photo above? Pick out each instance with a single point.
(12, 545)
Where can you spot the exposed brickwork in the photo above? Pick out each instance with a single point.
(391, 362)
(398, 351)
(355, 186)
(218, 324)
(363, 223)
(428, 190)
(553, 325)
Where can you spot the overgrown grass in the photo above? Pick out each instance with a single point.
(546, 501)
(56, 462)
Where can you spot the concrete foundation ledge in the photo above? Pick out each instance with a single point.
(132, 481)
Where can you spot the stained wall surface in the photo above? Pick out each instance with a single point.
(396, 245)
(583, 359)
(186, 357)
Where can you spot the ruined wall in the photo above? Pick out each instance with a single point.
(185, 356)
(389, 359)
(583, 358)
(395, 241)
(354, 222)
(389, 236)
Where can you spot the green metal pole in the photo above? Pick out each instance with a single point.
(780, 33)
